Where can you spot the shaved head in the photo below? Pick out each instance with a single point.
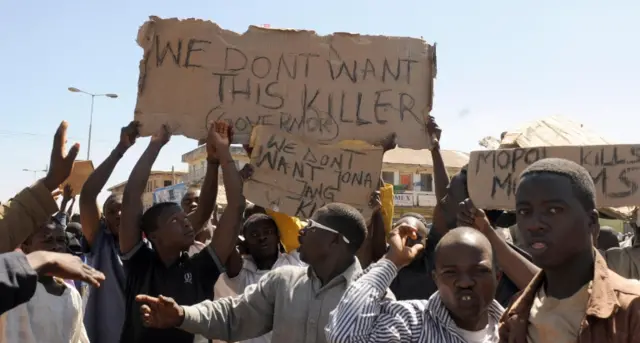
(464, 235)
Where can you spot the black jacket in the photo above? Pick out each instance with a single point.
(17, 280)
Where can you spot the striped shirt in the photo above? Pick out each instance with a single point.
(363, 316)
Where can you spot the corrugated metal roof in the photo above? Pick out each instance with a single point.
(451, 158)
(552, 131)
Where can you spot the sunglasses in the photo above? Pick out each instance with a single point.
(312, 226)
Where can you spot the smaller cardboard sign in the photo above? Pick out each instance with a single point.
(79, 175)
(493, 174)
(296, 176)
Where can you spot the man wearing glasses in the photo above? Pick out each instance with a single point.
(292, 302)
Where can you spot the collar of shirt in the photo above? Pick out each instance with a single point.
(602, 303)
(292, 258)
(439, 313)
(348, 276)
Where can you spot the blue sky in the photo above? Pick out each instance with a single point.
(500, 63)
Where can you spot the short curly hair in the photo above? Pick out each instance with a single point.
(581, 181)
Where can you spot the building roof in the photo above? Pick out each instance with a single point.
(153, 172)
(451, 158)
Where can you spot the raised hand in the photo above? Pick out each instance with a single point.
(219, 138)
(374, 202)
(433, 129)
(61, 162)
(160, 313)
(389, 142)
(128, 135)
(163, 136)
(399, 253)
(246, 172)
(64, 266)
(471, 216)
(67, 193)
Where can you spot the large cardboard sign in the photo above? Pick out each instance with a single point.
(326, 88)
(615, 169)
(295, 176)
(79, 175)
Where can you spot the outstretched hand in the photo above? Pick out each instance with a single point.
(471, 216)
(61, 162)
(434, 132)
(64, 266)
(161, 312)
(399, 253)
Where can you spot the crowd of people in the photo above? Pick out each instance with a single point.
(180, 273)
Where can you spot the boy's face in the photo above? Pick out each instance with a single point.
(552, 221)
(174, 229)
(49, 238)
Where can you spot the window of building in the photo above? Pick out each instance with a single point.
(149, 187)
(426, 182)
(387, 177)
(407, 181)
(167, 183)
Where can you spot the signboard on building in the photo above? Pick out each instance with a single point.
(172, 193)
(402, 199)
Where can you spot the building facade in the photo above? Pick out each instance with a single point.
(196, 159)
(411, 174)
(157, 179)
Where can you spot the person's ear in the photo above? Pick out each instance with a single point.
(594, 225)
(434, 276)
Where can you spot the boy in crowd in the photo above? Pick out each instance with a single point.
(161, 264)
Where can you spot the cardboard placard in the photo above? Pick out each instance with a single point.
(326, 88)
(79, 175)
(615, 169)
(295, 176)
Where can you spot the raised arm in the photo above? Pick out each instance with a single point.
(225, 236)
(440, 176)
(33, 206)
(89, 211)
(130, 232)
(209, 190)
(362, 316)
(520, 270)
(70, 209)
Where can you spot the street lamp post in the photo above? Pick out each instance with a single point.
(36, 171)
(93, 96)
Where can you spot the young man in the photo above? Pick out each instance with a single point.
(292, 302)
(54, 313)
(264, 253)
(462, 310)
(162, 265)
(100, 242)
(575, 297)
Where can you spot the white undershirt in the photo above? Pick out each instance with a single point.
(487, 335)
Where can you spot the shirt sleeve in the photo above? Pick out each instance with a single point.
(364, 316)
(233, 319)
(138, 258)
(24, 214)
(17, 280)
